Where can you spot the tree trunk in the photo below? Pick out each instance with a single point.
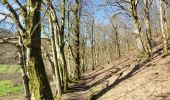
(69, 39)
(148, 27)
(117, 42)
(61, 47)
(139, 41)
(55, 69)
(164, 27)
(38, 82)
(59, 43)
(92, 45)
(24, 70)
(83, 60)
(76, 38)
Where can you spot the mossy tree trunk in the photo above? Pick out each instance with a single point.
(38, 82)
(140, 42)
(22, 63)
(55, 67)
(148, 27)
(59, 43)
(69, 40)
(164, 26)
(83, 55)
(76, 39)
(55, 29)
(61, 46)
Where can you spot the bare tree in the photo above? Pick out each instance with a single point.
(164, 25)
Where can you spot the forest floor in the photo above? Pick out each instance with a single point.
(123, 79)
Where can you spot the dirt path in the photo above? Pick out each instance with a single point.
(10, 76)
(93, 82)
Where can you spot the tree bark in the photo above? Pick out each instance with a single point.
(92, 45)
(22, 63)
(140, 43)
(118, 45)
(77, 38)
(148, 27)
(59, 43)
(55, 69)
(164, 27)
(38, 82)
(61, 46)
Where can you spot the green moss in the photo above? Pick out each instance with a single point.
(93, 91)
(9, 68)
(7, 88)
(142, 56)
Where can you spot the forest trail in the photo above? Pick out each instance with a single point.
(94, 81)
(126, 79)
(91, 82)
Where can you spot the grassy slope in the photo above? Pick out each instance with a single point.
(6, 84)
(7, 88)
(8, 68)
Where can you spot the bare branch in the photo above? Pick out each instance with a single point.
(11, 40)
(14, 16)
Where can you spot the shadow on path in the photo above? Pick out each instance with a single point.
(119, 79)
